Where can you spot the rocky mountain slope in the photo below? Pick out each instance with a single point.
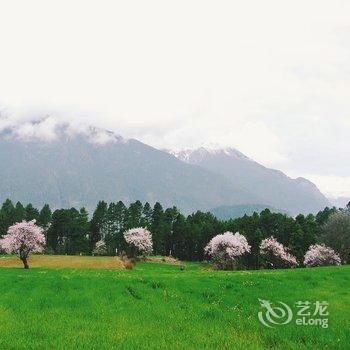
(271, 187)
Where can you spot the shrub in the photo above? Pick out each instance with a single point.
(23, 238)
(321, 255)
(100, 248)
(127, 263)
(225, 249)
(336, 234)
(139, 241)
(275, 255)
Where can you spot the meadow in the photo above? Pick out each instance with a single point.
(91, 304)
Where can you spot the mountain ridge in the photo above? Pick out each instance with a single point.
(78, 166)
(70, 170)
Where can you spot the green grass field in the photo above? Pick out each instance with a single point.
(158, 306)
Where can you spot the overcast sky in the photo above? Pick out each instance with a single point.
(271, 78)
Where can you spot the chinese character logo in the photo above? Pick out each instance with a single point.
(312, 316)
(274, 315)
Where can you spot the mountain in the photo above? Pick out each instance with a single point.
(271, 187)
(226, 212)
(80, 168)
(68, 167)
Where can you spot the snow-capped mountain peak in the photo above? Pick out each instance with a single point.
(195, 155)
(271, 187)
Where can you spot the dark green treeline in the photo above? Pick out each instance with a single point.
(72, 231)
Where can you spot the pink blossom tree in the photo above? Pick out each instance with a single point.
(225, 249)
(275, 255)
(321, 255)
(23, 238)
(139, 241)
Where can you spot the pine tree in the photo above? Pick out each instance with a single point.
(69, 231)
(98, 224)
(20, 212)
(45, 217)
(146, 220)
(170, 216)
(120, 226)
(7, 216)
(158, 229)
(116, 223)
(80, 232)
(31, 213)
(135, 214)
(179, 237)
(56, 231)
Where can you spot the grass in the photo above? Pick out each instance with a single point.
(158, 306)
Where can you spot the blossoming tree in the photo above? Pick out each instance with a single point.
(275, 255)
(23, 238)
(100, 248)
(321, 255)
(225, 249)
(139, 241)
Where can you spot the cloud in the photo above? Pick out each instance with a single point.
(332, 185)
(49, 128)
(44, 129)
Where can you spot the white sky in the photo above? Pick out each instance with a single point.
(271, 78)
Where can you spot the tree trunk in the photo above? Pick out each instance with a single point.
(25, 263)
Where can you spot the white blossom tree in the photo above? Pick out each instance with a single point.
(225, 249)
(23, 238)
(275, 255)
(139, 241)
(321, 255)
(100, 248)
